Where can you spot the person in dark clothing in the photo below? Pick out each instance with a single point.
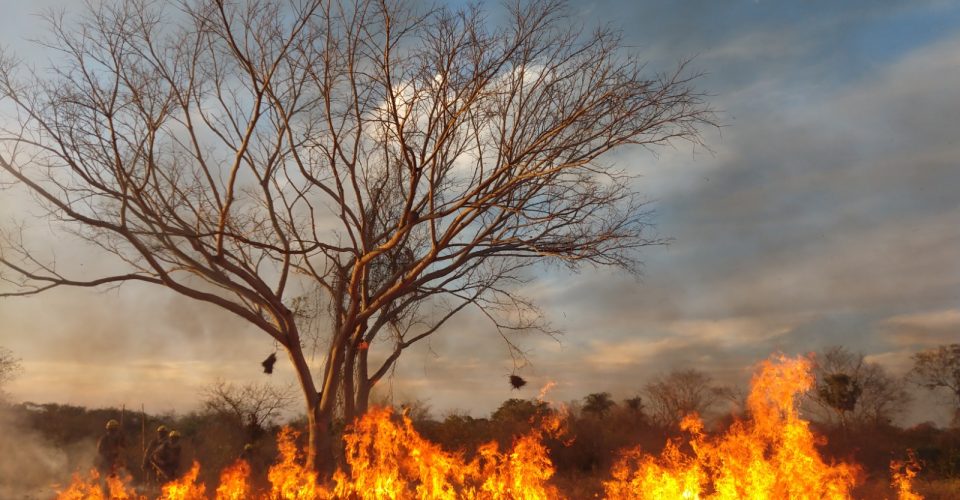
(247, 453)
(150, 472)
(166, 458)
(110, 450)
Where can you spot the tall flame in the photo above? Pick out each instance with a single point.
(772, 455)
(291, 480)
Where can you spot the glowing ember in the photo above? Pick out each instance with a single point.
(773, 455)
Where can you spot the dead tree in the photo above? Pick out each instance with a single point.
(405, 163)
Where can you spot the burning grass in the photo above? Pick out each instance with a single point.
(771, 455)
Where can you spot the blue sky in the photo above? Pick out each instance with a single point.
(825, 212)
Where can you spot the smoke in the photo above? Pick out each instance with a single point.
(30, 465)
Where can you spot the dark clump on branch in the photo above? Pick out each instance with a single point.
(517, 381)
(269, 362)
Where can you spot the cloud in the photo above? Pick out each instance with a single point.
(924, 329)
(825, 214)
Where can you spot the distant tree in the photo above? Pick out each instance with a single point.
(680, 393)
(598, 404)
(252, 406)
(634, 404)
(839, 392)
(939, 369)
(460, 431)
(884, 396)
(520, 410)
(9, 368)
(853, 391)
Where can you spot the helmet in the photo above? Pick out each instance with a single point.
(174, 435)
(163, 429)
(112, 424)
(247, 447)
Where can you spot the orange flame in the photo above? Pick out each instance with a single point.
(81, 488)
(773, 455)
(290, 480)
(389, 459)
(524, 472)
(903, 474)
(234, 482)
(186, 488)
(93, 488)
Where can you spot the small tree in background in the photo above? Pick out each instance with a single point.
(680, 393)
(851, 391)
(9, 368)
(635, 404)
(252, 406)
(939, 370)
(839, 392)
(598, 404)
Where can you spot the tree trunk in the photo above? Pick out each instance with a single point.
(349, 393)
(320, 457)
(320, 410)
(363, 384)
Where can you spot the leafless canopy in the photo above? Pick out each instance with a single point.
(406, 163)
(9, 368)
(673, 396)
(250, 404)
(939, 369)
(852, 391)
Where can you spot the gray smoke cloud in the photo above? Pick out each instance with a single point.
(31, 466)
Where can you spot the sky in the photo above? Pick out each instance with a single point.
(824, 211)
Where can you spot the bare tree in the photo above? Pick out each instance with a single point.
(937, 370)
(680, 393)
(250, 405)
(9, 368)
(402, 164)
(851, 391)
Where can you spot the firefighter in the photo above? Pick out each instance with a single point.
(110, 450)
(149, 472)
(166, 458)
(247, 453)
